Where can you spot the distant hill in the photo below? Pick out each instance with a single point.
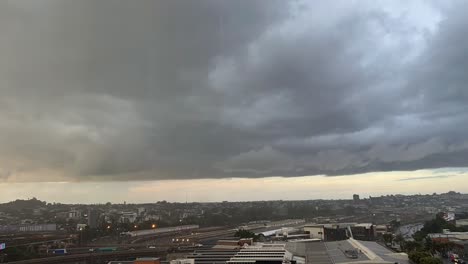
(23, 204)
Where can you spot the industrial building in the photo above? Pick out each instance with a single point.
(461, 222)
(313, 251)
(212, 256)
(281, 232)
(263, 254)
(301, 251)
(341, 231)
(452, 236)
(459, 239)
(233, 244)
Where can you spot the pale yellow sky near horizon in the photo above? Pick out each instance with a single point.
(242, 189)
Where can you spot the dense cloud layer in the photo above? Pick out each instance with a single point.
(119, 90)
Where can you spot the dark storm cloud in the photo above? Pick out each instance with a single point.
(118, 90)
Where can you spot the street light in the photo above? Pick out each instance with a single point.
(81, 235)
(153, 226)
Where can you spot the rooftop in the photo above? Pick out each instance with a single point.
(337, 249)
(344, 251)
(313, 250)
(262, 252)
(367, 252)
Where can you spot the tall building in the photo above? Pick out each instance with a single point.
(93, 218)
(74, 214)
(141, 210)
(356, 197)
(128, 217)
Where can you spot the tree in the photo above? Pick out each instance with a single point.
(429, 245)
(418, 256)
(18, 253)
(388, 238)
(410, 246)
(395, 224)
(245, 234)
(419, 236)
(430, 260)
(400, 240)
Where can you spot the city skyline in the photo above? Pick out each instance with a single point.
(242, 189)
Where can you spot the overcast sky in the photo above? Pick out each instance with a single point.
(113, 92)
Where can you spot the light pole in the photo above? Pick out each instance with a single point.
(81, 236)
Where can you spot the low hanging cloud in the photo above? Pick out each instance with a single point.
(426, 178)
(117, 90)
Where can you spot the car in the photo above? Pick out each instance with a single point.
(459, 261)
(453, 257)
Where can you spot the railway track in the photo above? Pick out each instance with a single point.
(96, 257)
